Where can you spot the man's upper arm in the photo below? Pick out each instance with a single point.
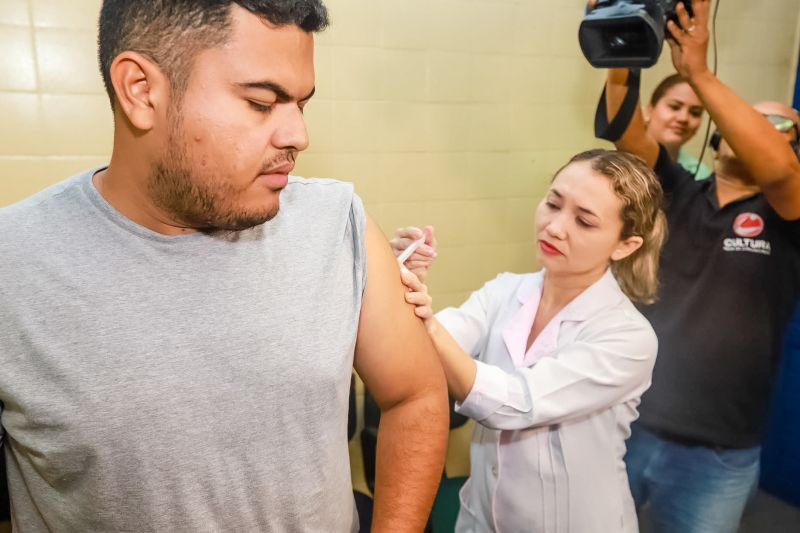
(394, 355)
(669, 172)
(784, 195)
(635, 139)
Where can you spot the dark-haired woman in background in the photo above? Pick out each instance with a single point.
(673, 117)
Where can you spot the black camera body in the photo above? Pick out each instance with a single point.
(626, 33)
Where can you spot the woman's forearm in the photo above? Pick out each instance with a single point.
(459, 368)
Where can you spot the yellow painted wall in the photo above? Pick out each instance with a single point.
(450, 112)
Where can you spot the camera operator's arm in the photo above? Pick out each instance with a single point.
(635, 138)
(765, 153)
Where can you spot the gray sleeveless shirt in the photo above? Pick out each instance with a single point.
(190, 383)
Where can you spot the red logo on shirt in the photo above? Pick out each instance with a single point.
(748, 225)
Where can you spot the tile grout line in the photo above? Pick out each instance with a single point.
(34, 49)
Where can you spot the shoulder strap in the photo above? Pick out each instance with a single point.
(614, 130)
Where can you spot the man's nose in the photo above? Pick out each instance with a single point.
(291, 132)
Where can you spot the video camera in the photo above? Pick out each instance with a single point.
(626, 33)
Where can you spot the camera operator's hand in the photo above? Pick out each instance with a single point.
(689, 43)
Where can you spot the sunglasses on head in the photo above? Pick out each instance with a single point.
(781, 123)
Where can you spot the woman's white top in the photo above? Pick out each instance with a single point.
(547, 453)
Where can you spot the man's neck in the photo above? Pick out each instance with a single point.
(127, 193)
(730, 187)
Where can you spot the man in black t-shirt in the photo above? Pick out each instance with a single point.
(729, 280)
(5, 511)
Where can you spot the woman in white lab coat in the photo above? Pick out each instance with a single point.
(551, 365)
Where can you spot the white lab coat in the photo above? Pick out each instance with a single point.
(547, 453)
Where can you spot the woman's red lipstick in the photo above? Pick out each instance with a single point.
(548, 248)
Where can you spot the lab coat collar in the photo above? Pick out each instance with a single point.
(603, 293)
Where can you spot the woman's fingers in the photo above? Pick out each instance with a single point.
(410, 280)
(422, 304)
(430, 237)
(424, 251)
(400, 243)
(419, 299)
(419, 261)
(403, 237)
(412, 233)
(419, 257)
(423, 312)
(418, 294)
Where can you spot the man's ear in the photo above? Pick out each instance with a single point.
(141, 89)
(626, 247)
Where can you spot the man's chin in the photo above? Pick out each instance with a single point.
(252, 222)
(239, 222)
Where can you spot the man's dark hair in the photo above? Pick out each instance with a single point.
(172, 32)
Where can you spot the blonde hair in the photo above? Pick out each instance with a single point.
(637, 186)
